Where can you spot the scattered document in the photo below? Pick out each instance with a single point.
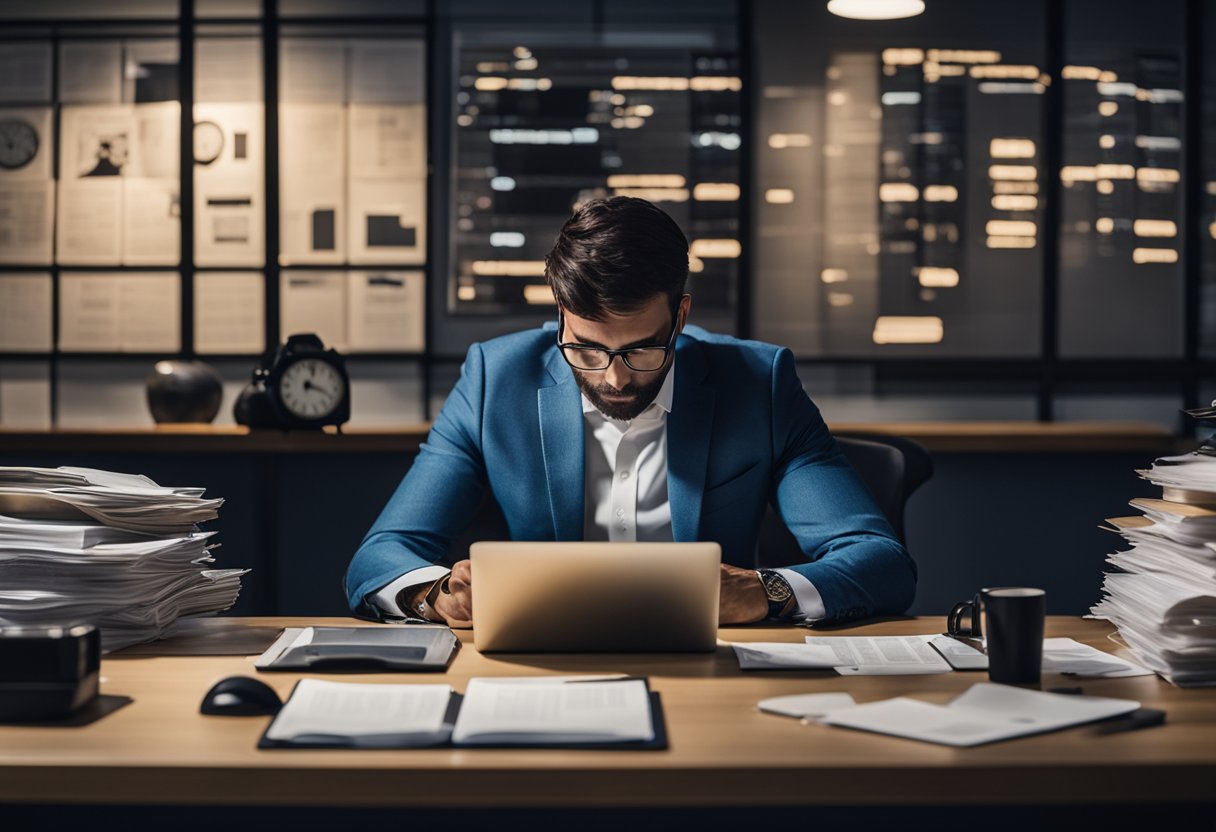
(570, 712)
(394, 648)
(1064, 655)
(779, 655)
(363, 715)
(806, 705)
(984, 713)
(847, 655)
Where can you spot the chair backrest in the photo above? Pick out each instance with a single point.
(891, 467)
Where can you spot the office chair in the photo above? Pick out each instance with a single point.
(891, 467)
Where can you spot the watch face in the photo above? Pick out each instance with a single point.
(776, 586)
(18, 143)
(311, 388)
(208, 142)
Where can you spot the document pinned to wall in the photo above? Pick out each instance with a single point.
(95, 149)
(25, 312)
(386, 312)
(27, 191)
(387, 71)
(312, 70)
(229, 313)
(25, 73)
(387, 141)
(312, 157)
(120, 312)
(229, 165)
(90, 72)
(388, 221)
(313, 302)
(227, 71)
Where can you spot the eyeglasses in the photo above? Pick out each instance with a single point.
(644, 359)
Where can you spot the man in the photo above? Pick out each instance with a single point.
(619, 422)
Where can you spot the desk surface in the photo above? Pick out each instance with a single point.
(159, 750)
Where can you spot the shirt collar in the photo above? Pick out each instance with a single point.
(663, 399)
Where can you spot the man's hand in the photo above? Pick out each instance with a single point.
(743, 599)
(456, 605)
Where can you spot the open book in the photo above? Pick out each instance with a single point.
(569, 712)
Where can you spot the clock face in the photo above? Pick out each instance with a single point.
(311, 388)
(18, 143)
(208, 142)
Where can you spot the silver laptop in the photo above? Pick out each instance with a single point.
(595, 597)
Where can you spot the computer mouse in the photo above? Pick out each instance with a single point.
(241, 696)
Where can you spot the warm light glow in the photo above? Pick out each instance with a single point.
(645, 180)
(526, 64)
(1010, 242)
(897, 192)
(490, 83)
(1011, 228)
(1158, 142)
(1015, 187)
(1011, 149)
(963, 56)
(941, 193)
(695, 264)
(1212, 230)
(1144, 175)
(466, 293)
(1113, 88)
(1106, 141)
(779, 196)
(634, 82)
(840, 299)
(1015, 202)
(833, 275)
(509, 268)
(1029, 73)
(1104, 225)
(903, 57)
(493, 66)
(715, 192)
(1154, 255)
(715, 83)
(1155, 228)
(539, 294)
(1105, 186)
(507, 239)
(890, 329)
(876, 9)
(1077, 173)
(1081, 73)
(1023, 173)
(1108, 108)
(780, 141)
(708, 248)
(654, 194)
(937, 277)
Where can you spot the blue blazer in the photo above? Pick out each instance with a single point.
(741, 433)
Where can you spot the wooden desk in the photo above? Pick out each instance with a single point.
(159, 750)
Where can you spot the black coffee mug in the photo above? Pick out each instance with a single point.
(1015, 619)
(966, 618)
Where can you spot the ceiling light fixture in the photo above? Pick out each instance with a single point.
(876, 9)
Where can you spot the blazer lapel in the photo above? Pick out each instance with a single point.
(561, 443)
(689, 427)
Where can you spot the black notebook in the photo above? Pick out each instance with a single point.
(361, 649)
(539, 712)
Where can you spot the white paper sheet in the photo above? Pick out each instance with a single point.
(229, 313)
(227, 71)
(312, 70)
(313, 302)
(120, 312)
(313, 205)
(805, 705)
(25, 72)
(25, 312)
(1065, 655)
(386, 312)
(90, 72)
(364, 712)
(561, 712)
(985, 713)
(387, 141)
(229, 214)
(783, 656)
(387, 71)
(883, 655)
(387, 221)
(27, 215)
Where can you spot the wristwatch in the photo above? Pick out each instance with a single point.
(424, 605)
(780, 595)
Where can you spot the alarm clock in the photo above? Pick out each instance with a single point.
(18, 143)
(304, 386)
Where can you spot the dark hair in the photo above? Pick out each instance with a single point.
(614, 255)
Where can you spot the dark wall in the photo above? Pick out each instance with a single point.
(983, 519)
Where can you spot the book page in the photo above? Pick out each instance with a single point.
(569, 712)
(368, 714)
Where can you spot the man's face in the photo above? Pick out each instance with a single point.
(619, 392)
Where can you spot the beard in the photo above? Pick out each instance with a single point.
(624, 410)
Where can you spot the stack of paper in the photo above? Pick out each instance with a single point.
(1163, 596)
(115, 550)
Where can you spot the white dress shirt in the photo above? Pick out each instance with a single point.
(625, 494)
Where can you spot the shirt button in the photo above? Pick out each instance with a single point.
(624, 475)
(620, 512)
